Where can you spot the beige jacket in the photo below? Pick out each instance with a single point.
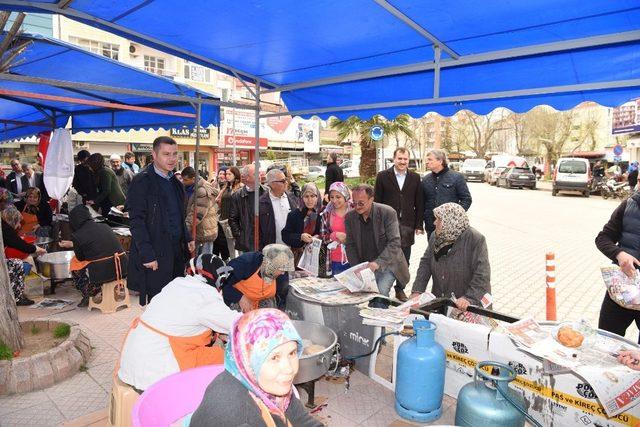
(206, 212)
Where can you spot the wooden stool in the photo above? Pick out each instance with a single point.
(123, 398)
(110, 303)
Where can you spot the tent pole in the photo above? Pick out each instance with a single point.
(436, 72)
(256, 191)
(196, 167)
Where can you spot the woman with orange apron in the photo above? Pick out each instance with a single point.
(257, 277)
(36, 215)
(176, 329)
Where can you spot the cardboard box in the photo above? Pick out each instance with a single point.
(34, 285)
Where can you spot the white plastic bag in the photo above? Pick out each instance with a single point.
(58, 168)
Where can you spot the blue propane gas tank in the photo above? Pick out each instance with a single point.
(420, 375)
(482, 405)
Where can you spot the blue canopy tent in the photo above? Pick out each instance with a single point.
(30, 107)
(366, 57)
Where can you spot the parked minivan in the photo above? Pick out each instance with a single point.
(572, 174)
(473, 169)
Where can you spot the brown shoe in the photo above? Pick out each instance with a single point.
(400, 295)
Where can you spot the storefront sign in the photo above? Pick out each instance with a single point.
(137, 147)
(185, 132)
(247, 142)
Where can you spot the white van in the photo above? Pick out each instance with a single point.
(473, 169)
(572, 174)
(500, 162)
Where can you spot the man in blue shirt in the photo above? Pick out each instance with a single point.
(161, 242)
(130, 162)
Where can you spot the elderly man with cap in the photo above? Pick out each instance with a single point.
(259, 279)
(174, 332)
(123, 175)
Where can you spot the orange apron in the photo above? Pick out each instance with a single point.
(29, 222)
(256, 289)
(77, 265)
(190, 352)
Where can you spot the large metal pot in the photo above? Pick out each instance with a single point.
(55, 265)
(314, 366)
(44, 242)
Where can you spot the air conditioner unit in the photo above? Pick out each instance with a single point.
(134, 49)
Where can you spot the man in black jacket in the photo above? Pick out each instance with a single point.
(83, 180)
(241, 217)
(17, 183)
(441, 186)
(161, 242)
(400, 188)
(619, 241)
(332, 174)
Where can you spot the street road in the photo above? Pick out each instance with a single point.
(520, 227)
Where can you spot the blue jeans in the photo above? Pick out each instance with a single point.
(385, 279)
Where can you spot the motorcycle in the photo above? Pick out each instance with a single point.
(614, 189)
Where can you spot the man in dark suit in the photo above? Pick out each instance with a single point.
(400, 188)
(373, 236)
(17, 182)
(36, 180)
(332, 174)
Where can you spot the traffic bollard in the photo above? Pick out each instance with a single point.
(551, 286)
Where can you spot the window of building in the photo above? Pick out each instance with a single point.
(224, 94)
(109, 50)
(154, 65)
(197, 73)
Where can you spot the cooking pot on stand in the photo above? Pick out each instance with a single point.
(55, 265)
(315, 365)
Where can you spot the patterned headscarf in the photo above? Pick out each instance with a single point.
(311, 215)
(454, 223)
(633, 166)
(32, 209)
(5, 198)
(252, 338)
(12, 216)
(341, 188)
(276, 257)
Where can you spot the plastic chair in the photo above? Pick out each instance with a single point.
(109, 302)
(173, 397)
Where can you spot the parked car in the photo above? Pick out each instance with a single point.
(316, 172)
(572, 174)
(517, 177)
(500, 162)
(473, 169)
(351, 168)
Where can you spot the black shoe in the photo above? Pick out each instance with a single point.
(84, 302)
(400, 295)
(25, 301)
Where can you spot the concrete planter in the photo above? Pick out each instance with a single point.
(42, 370)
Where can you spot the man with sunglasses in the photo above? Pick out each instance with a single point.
(373, 236)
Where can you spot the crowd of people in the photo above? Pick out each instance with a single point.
(190, 235)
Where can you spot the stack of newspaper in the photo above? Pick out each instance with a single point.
(393, 317)
(616, 385)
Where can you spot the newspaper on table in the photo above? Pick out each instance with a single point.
(310, 259)
(616, 385)
(393, 316)
(623, 289)
(328, 291)
(359, 278)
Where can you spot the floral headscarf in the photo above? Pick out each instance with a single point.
(276, 257)
(253, 337)
(12, 216)
(5, 198)
(454, 223)
(32, 209)
(341, 188)
(311, 215)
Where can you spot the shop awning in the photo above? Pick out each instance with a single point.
(27, 108)
(364, 57)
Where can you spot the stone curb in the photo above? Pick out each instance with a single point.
(43, 370)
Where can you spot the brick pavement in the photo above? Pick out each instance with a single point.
(520, 227)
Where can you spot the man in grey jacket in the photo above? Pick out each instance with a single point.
(373, 236)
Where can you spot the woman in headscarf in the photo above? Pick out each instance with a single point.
(333, 230)
(456, 259)
(256, 387)
(258, 278)
(303, 223)
(16, 249)
(6, 199)
(36, 214)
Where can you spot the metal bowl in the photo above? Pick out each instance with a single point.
(314, 366)
(55, 265)
(44, 242)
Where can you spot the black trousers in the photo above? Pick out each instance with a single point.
(406, 250)
(617, 319)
